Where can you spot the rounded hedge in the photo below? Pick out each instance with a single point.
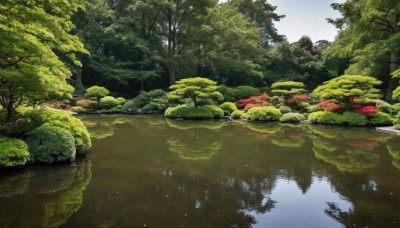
(285, 109)
(292, 118)
(228, 106)
(380, 119)
(237, 114)
(49, 144)
(108, 102)
(263, 113)
(353, 118)
(79, 109)
(245, 92)
(325, 117)
(203, 112)
(13, 152)
(350, 118)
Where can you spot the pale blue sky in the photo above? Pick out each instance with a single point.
(305, 17)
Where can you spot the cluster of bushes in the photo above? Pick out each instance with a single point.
(350, 118)
(42, 135)
(154, 101)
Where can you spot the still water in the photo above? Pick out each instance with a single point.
(146, 171)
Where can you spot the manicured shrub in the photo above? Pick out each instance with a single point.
(384, 107)
(154, 106)
(292, 118)
(156, 96)
(275, 100)
(228, 106)
(396, 108)
(116, 109)
(325, 117)
(49, 144)
(108, 102)
(227, 92)
(327, 105)
(366, 110)
(237, 114)
(380, 119)
(79, 109)
(121, 100)
(65, 120)
(96, 92)
(298, 99)
(355, 119)
(13, 152)
(254, 101)
(245, 92)
(285, 109)
(263, 114)
(204, 112)
(397, 126)
(287, 89)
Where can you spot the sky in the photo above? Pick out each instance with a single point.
(305, 17)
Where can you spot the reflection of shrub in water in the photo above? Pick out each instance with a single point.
(395, 153)
(290, 142)
(193, 124)
(270, 128)
(201, 149)
(15, 184)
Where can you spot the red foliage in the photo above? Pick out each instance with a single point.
(367, 110)
(254, 101)
(326, 105)
(369, 143)
(297, 99)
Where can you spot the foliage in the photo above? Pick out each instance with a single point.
(196, 89)
(156, 97)
(254, 101)
(352, 118)
(86, 103)
(327, 105)
(120, 100)
(287, 89)
(227, 92)
(108, 102)
(50, 144)
(97, 92)
(385, 107)
(396, 94)
(204, 112)
(33, 48)
(325, 117)
(13, 152)
(263, 114)
(367, 110)
(297, 100)
(292, 118)
(285, 109)
(237, 114)
(64, 120)
(380, 119)
(228, 106)
(243, 91)
(79, 109)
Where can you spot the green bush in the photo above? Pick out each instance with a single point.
(380, 119)
(274, 100)
(397, 126)
(285, 109)
(396, 108)
(13, 152)
(228, 106)
(237, 114)
(325, 117)
(292, 118)
(157, 96)
(121, 100)
(204, 112)
(353, 118)
(116, 109)
(65, 120)
(385, 107)
(227, 92)
(108, 102)
(245, 92)
(263, 113)
(49, 144)
(79, 109)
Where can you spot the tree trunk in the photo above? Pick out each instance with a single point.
(194, 101)
(9, 110)
(394, 62)
(171, 50)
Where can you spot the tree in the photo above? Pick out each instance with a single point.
(287, 89)
(369, 37)
(349, 90)
(196, 89)
(34, 35)
(96, 91)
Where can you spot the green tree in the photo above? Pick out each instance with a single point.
(196, 89)
(287, 89)
(98, 92)
(349, 89)
(33, 37)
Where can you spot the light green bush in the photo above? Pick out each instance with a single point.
(228, 106)
(13, 152)
(50, 144)
(121, 100)
(397, 126)
(245, 92)
(285, 109)
(204, 112)
(108, 102)
(350, 118)
(263, 113)
(79, 109)
(385, 107)
(380, 119)
(292, 118)
(237, 114)
(325, 117)
(157, 96)
(353, 118)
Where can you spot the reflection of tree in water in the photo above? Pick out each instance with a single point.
(46, 196)
(394, 151)
(195, 124)
(102, 126)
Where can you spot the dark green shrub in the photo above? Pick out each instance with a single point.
(121, 100)
(108, 102)
(384, 107)
(397, 126)
(13, 152)
(79, 109)
(263, 113)
(292, 118)
(227, 92)
(228, 106)
(274, 100)
(353, 118)
(237, 114)
(325, 117)
(49, 144)
(157, 96)
(396, 108)
(380, 119)
(204, 112)
(116, 109)
(245, 92)
(65, 120)
(285, 109)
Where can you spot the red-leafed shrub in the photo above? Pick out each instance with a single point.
(254, 101)
(367, 110)
(298, 99)
(326, 105)
(368, 143)
(86, 103)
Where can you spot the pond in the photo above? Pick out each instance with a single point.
(147, 171)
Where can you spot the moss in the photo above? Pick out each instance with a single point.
(49, 144)
(228, 106)
(13, 152)
(292, 118)
(263, 114)
(204, 112)
(237, 114)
